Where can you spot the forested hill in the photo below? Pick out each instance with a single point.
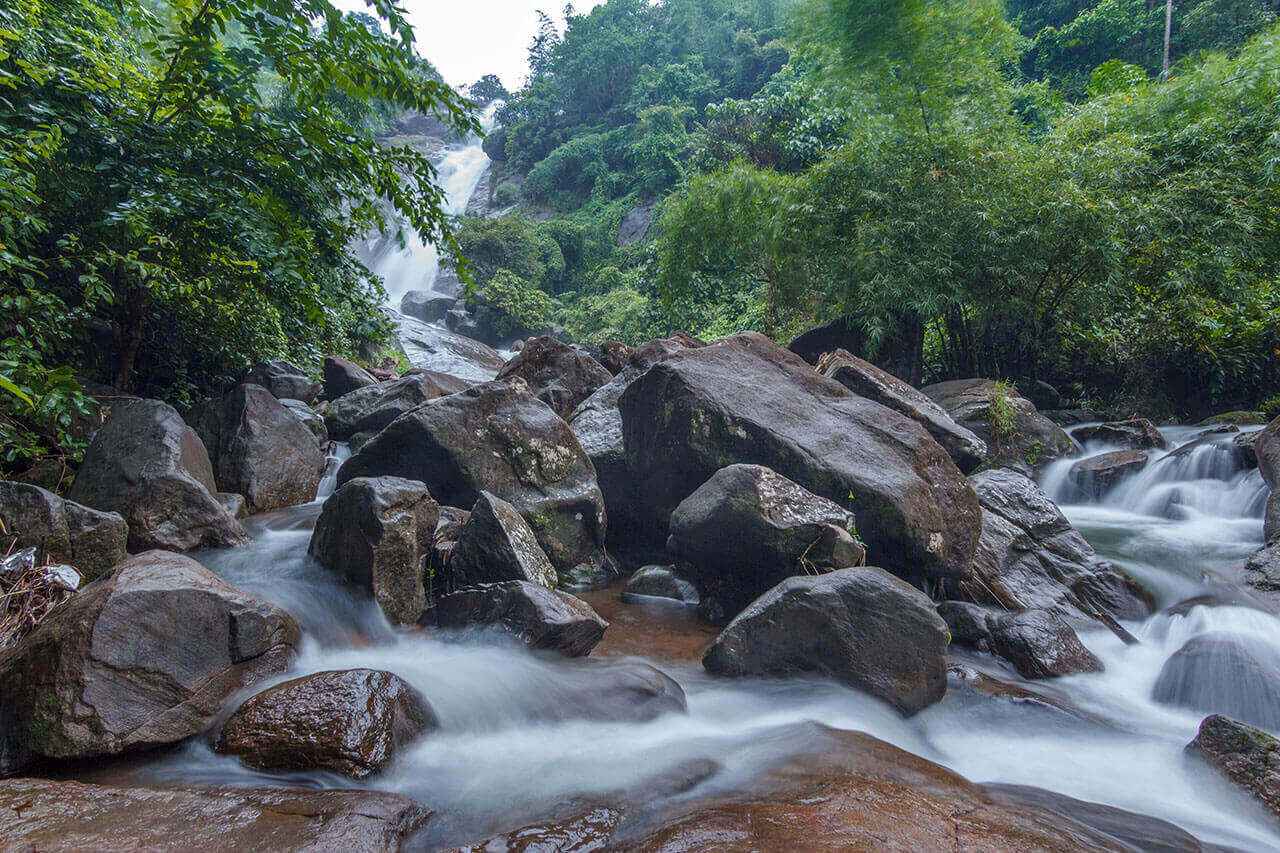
(984, 189)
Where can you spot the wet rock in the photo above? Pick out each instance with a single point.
(1040, 645)
(261, 450)
(62, 531)
(1041, 394)
(862, 627)
(1225, 456)
(614, 356)
(540, 618)
(309, 418)
(147, 465)
(839, 334)
(745, 400)
(627, 691)
(441, 384)
(969, 624)
(43, 814)
(498, 438)
(141, 658)
(1030, 439)
(376, 532)
(234, 503)
(747, 529)
(660, 582)
(341, 377)
(1249, 757)
(371, 408)
(1271, 517)
(1097, 475)
(432, 348)
(1224, 673)
(556, 373)
(427, 305)
(1029, 556)
(451, 522)
(1237, 418)
(1262, 573)
(352, 722)
(1071, 417)
(1246, 452)
(865, 379)
(1133, 434)
(283, 380)
(1266, 447)
(497, 544)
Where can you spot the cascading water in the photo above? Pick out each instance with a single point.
(518, 739)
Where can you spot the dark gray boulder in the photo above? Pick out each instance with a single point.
(147, 465)
(1026, 440)
(352, 721)
(1097, 475)
(1041, 394)
(1133, 434)
(1040, 644)
(746, 400)
(865, 379)
(969, 624)
(283, 380)
(660, 582)
(62, 531)
(376, 532)
(1247, 756)
(1224, 673)
(1242, 442)
(556, 373)
(371, 408)
(748, 528)
(497, 437)
(261, 450)
(427, 305)
(341, 377)
(496, 544)
(540, 618)
(838, 334)
(141, 658)
(862, 627)
(309, 418)
(1266, 448)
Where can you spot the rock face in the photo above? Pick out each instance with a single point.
(261, 450)
(866, 380)
(748, 528)
(433, 348)
(1247, 756)
(310, 418)
(1266, 447)
(284, 381)
(1029, 440)
(745, 400)
(42, 814)
(141, 658)
(557, 374)
(341, 377)
(495, 545)
(1040, 645)
(660, 582)
(147, 465)
(1223, 673)
(1030, 557)
(498, 438)
(352, 722)
(1262, 573)
(371, 408)
(1133, 434)
(376, 531)
(539, 617)
(1099, 474)
(427, 305)
(862, 627)
(62, 531)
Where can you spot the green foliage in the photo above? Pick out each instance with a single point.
(1001, 415)
(510, 243)
(518, 303)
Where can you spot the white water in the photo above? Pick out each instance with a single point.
(510, 750)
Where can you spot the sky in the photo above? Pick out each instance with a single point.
(467, 39)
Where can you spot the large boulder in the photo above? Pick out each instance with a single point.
(1040, 645)
(1249, 757)
(746, 400)
(62, 531)
(376, 532)
(310, 418)
(1097, 475)
(371, 408)
(43, 814)
(862, 627)
(141, 658)
(659, 582)
(261, 450)
(1266, 447)
(1030, 557)
(556, 373)
(434, 348)
(352, 722)
(427, 305)
(147, 465)
(1016, 434)
(1133, 434)
(283, 380)
(540, 618)
(1224, 673)
(496, 544)
(497, 437)
(839, 334)
(865, 379)
(341, 377)
(747, 529)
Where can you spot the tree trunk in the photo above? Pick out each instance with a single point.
(129, 332)
(1168, 33)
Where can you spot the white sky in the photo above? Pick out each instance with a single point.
(466, 39)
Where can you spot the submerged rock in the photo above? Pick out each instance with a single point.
(1249, 757)
(352, 722)
(540, 618)
(284, 381)
(1040, 645)
(341, 377)
(141, 658)
(748, 528)
(147, 465)
(557, 374)
(376, 532)
(1097, 475)
(861, 626)
(495, 545)
(660, 582)
(62, 531)
(1025, 442)
(1223, 673)
(1133, 434)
